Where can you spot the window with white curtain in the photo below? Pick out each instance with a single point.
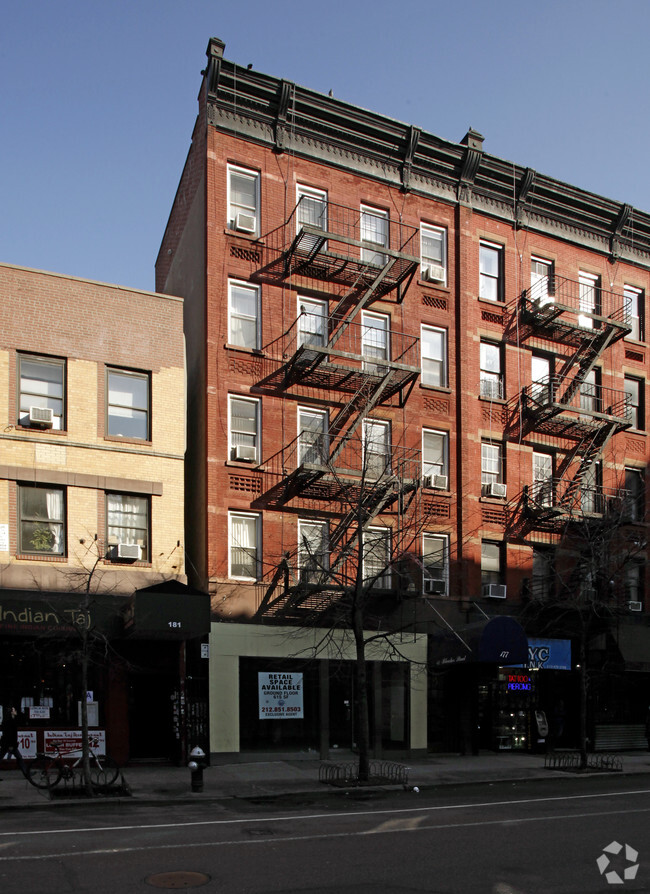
(376, 558)
(433, 343)
(243, 200)
(41, 525)
(127, 523)
(243, 315)
(128, 404)
(243, 545)
(42, 385)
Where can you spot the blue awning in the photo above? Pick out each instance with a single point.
(500, 640)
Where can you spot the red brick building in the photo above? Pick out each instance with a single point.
(364, 300)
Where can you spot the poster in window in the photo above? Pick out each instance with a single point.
(280, 696)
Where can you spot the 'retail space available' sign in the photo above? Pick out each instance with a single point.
(281, 696)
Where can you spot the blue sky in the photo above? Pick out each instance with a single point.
(98, 100)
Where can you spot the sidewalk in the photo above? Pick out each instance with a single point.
(273, 778)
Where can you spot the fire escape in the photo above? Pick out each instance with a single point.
(581, 322)
(342, 463)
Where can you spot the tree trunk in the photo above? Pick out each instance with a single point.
(362, 712)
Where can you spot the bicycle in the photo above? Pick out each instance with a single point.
(47, 770)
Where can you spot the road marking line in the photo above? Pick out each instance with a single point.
(319, 816)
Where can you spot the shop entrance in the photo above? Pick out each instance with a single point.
(153, 680)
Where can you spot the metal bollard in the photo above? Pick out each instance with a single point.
(197, 765)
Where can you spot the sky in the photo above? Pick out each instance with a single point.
(98, 100)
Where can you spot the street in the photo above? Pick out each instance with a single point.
(525, 838)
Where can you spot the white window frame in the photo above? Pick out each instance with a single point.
(427, 260)
(371, 345)
(491, 463)
(237, 437)
(541, 281)
(490, 574)
(440, 571)
(254, 517)
(319, 195)
(41, 391)
(434, 368)
(635, 401)
(312, 321)
(127, 409)
(376, 447)
(235, 208)
(307, 548)
(381, 536)
(437, 468)
(370, 253)
(234, 315)
(588, 285)
(635, 309)
(543, 484)
(307, 451)
(491, 380)
(488, 280)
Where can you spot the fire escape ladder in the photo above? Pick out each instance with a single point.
(363, 300)
(583, 360)
(589, 451)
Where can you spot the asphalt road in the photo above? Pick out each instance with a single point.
(529, 838)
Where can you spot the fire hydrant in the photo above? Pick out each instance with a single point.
(197, 765)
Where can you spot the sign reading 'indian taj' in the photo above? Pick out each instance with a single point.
(281, 696)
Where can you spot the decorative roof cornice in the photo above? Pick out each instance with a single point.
(287, 117)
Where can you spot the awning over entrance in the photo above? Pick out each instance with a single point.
(168, 611)
(634, 646)
(493, 641)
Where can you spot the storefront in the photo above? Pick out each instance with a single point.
(45, 638)
(277, 690)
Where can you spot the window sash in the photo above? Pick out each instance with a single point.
(41, 520)
(491, 562)
(128, 404)
(491, 463)
(243, 547)
(634, 309)
(243, 196)
(313, 552)
(435, 557)
(376, 558)
(313, 442)
(312, 322)
(244, 422)
(434, 356)
(376, 442)
(127, 521)
(41, 385)
(433, 246)
(633, 388)
(243, 306)
(490, 272)
(434, 453)
(374, 232)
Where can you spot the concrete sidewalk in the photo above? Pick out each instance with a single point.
(287, 776)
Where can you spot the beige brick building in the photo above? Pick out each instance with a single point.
(92, 403)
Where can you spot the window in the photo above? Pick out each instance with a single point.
(374, 233)
(635, 310)
(541, 377)
(591, 489)
(543, 479)
(590, 392)
(127, 526)
(435, 564)
(376, 558)
(491, 371)
(491, 570)
(311, 211)
(635, 499)
(243, 540)
(312, 322)
(243, 314)
(433, 253)
(589, 286)
(542, 281)
(435, 459)
(42, 386)
(543, 573)
(635, 409)
(490, 271)
(41, 522)
(313, 552)
(375, 342)
(128, 404)
(244, 428)
(492, 470)
(434, 356)
(376, 447)
(243, 200)
(313, 441)
(633, 583)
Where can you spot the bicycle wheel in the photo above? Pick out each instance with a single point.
(44, 771)
(103, 770)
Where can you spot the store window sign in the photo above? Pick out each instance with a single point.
(519, 683)
(280, 696)
(548, 654)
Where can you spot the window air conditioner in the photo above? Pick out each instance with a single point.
(495, 489)
(433, 272)
(439, 482)
(494, 591)
(246, 223)
(244, 452)
(41, 416)
(128, 550)
(635, 606)
(435, 585)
